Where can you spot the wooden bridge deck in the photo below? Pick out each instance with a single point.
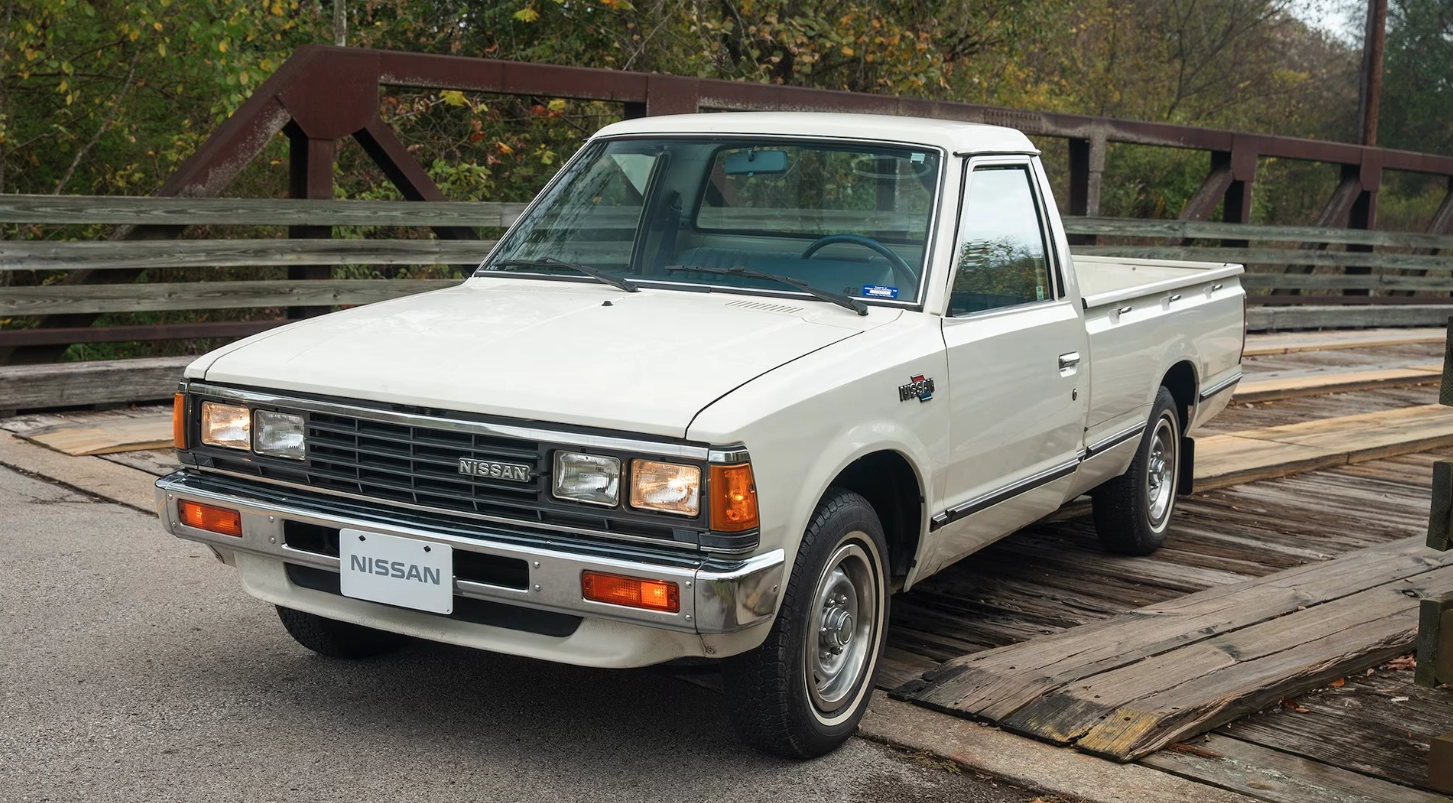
(1049, 592)
(1355, 741)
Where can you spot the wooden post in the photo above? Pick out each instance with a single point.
(1440, 763)
(340, 23)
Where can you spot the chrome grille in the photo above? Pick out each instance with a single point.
(418, 465)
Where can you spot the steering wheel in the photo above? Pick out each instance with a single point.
(901, 270)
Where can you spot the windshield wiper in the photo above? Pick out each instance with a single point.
(617, 282)
(747, 273)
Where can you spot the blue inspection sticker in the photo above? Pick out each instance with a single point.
(879, 291)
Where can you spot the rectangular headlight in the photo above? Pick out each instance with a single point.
(665, 487)
(226, 425)
(278, 435)
(590, 478)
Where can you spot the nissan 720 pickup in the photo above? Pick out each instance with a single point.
(728, 383)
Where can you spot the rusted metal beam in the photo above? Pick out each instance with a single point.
(383, 146)
(1212, 190)
(310, 175)
(329, 93)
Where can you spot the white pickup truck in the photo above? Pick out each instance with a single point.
(729, 382)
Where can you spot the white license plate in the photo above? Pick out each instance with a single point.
(396, 571)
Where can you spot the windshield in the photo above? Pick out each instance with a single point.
(848, 219)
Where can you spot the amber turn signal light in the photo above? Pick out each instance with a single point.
(212, 519)
(653, 595)
(733, 498)
(179, 420)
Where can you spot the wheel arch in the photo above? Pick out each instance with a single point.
(1180, 379)
(894, 488)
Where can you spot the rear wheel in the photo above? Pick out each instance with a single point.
(802, 692)
(337, 639)
(1133, 511)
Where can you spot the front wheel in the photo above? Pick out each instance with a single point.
(802, 692)
(1132, 511)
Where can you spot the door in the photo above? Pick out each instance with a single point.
(1016, 361)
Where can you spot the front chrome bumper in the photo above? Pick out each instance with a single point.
(717, 596)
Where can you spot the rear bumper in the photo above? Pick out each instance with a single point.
(717, 596)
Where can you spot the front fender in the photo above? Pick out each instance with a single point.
(805, 422)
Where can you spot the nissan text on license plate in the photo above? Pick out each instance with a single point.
(396, 571)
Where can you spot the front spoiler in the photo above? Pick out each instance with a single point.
(717, 596)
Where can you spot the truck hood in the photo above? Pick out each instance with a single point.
(548, 351)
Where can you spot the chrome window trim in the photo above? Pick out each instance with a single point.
(679, 450)
(1005, 493)
(972, 162)
(1094, 449)
(1220, 386)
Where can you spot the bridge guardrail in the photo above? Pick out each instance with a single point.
(1372, 286)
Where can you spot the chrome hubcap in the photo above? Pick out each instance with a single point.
(843, 628)
(1160, 471)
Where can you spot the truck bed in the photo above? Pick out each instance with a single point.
(1111, 280)
(1142, 316)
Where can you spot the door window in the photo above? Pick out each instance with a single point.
(1001, 259)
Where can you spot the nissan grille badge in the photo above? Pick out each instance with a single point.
(492, 470)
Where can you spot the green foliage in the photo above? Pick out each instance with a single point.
(110, 98)
(1417, 110)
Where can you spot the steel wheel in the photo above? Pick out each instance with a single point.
(1160, 475)
(803, 690)
(844, 623)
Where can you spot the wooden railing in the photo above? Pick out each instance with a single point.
(1296, 281)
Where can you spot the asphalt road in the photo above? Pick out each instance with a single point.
(133, 667)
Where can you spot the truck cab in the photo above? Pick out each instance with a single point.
(729, 382)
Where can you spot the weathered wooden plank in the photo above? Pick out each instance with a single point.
(1271, 256)
(1313, 383)
(1266, 319)
(1278, 777)
(106, 436)
(1249, 455)
(143, 332)
(1322, 281)
(995, 684)
(24, 387)
(162, 296)
(1375, 724)
(1207, 701)
(1198, 230)
(1130, 711)
(159, 211)
(109, 255)
(1258, 345)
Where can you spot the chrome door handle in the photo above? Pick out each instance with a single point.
(1176, 297)
(1216, 287)
(1067, 361)
(1122, 310)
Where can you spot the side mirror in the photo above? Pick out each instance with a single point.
(753, 161)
